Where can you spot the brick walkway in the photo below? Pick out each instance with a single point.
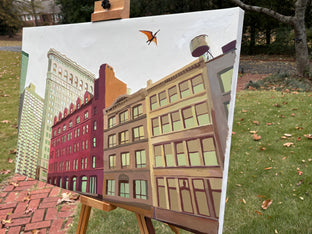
(28, 205)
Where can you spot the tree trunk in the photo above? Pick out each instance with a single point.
(302, 54)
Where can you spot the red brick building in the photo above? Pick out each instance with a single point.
(76, 152)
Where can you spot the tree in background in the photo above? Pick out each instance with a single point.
(10, 10)
(297, 22)
(76, 11)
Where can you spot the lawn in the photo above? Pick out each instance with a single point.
(9, 101)
(276, 167)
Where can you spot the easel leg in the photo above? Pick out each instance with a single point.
(145, 224)
(83, 219)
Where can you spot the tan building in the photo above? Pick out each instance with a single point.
(126, 157)
(186, 152)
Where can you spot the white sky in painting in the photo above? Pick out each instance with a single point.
(120, 44)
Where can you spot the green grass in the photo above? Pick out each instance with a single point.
(266, 169)
(9, 101)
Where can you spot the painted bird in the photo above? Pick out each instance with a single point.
(150, 36)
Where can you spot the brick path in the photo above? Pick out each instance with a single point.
(30, 205)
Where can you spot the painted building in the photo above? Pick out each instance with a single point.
(76, 153)
(66, 81)
(188, 127)
(126, 157)
(30, 115)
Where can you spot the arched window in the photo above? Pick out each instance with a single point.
(76, 81)
(67, 183)
(80, 84)
(61, 182)
(84, 181)
(54, 67)
(86, 86)
(74, 183)
(71, 78)
(60, 72)
(66, 75)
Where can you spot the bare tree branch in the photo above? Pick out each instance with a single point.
(282, 18)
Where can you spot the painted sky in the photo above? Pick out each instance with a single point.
(120, 44)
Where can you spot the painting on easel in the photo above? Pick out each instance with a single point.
(137, 112)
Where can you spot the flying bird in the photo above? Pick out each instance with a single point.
(150, 36)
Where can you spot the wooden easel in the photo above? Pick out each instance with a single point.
(119, 9)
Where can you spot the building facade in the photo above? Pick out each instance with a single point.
(66, 81)
(30, 115)
(76, 152)
(126, 157)
(186, 158)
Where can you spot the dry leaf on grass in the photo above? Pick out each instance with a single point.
(309, 136)
(266, 204)
(256, 137)
(10, 160)
(258, 212)
(13, 151)
(268, 168)
(256, 122)
(4, 172)
(288, 144)
(5, 121)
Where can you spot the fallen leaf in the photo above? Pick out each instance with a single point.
(35, 231)
(238, 185)
(266, 204)
(309, 136)
(10, 160)
(293, 115)
(288, 144)
(5, 121)
(226, 200)
(284, 137)
(233, 133)
(253, 132)
(277, 105)
(30, 210)
(14, 184)
(256, 137)
(27, 198)
(5, 171)
(258, 212)
(262, 148)
(244, 111)
(284, 158)
(261, 196)
(287, 135)
(243, 201)
(282, 116)
(5, 221)
(256, 122)
(268, 168)
(298, 138)
(67, 197)
(300, 172)
(268, 124)
(275, 231)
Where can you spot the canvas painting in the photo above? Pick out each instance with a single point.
(136, 112)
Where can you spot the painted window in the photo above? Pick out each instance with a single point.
(161, 193)
(155, 127)
(193, 147)
(158, 156)
(181, 160)
(94, 142)
(215, 185)
(202, 114)
(185, 193)
(137, 111)
(138, 133)
(125, 160)
(112, 161)
(124, 188)
(168, 155)
(67, 183)
(74, 180)
(124, 137)
(78, 120)
(184, 89)
(188, 119)
(110, 187)
(94, 125)
(66, 75)
(162, 98)
(86, 115)
(54, 67)
(84, 181)
(93, 161)
(71, 77)
(173, 95)
(111, 122)
(92, 184)
(209, 153)
(197, 84)
(200, 195)
(140, 189)
(153, 102)
(123, 117)
(112, 141)
(165, 126)
(173, 194)
(80, 84)
(140, 159)
(225, 80)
